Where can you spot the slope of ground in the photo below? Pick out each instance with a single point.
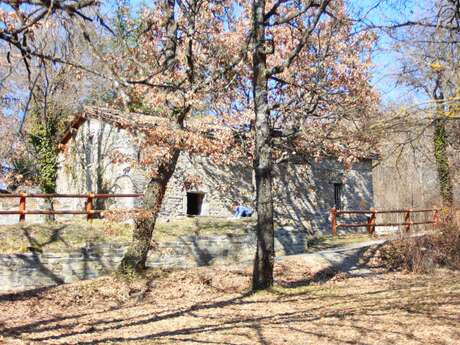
(57, 237)
(213, 306)
(75, 234)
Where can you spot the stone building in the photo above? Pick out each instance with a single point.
(304, 191)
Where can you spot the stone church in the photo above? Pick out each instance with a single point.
(304, 191)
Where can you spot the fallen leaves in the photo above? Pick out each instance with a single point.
(213, 304)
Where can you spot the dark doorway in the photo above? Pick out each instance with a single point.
(194, 203)
(338, 195)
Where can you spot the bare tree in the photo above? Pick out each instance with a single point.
(300, 106)
(428, 51)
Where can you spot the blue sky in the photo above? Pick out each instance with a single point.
(377, 12)
(385, 59)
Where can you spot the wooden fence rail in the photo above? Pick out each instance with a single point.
(372, 218)
(89, 204)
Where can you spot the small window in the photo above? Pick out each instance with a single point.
(194, 203)
(338, 195)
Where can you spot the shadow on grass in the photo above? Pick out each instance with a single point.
(36, 245)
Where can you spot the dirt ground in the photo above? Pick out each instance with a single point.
(213, 306)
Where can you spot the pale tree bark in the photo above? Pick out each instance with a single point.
(265, 254)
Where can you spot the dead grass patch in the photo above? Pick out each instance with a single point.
(422, 254)
(57, 237)
(214, 306)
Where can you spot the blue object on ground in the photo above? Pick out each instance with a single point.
(243, 211)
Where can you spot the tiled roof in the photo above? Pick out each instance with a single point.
(116, 118)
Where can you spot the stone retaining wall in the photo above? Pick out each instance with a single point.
(34, 270)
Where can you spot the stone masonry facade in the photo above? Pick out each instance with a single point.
(304, 191)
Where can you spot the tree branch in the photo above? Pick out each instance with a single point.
(303, 41)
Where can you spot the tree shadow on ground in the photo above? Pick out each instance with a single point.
(38, 268)
(37, 245)
(327, 311)
(323, 318)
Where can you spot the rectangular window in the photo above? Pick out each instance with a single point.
(338, 195)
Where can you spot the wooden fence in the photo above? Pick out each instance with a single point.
(372, 219)
(88, 209)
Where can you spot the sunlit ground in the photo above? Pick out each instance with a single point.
(213, 306)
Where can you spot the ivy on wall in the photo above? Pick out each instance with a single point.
(42, 136)
(442, 162)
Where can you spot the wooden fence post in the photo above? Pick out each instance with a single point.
(89, 207)
(371, 222)
(334, 221)
(22, 207)
(436, 217)
(407, 220)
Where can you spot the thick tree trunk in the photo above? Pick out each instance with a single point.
(136, 256)
(440, 147)
(442, 162)
(263, 263)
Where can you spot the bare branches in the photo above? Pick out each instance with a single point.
(274, 9)
(288, 19)
(40, 10)
(303, 40)
(20, 24)
(410, 23)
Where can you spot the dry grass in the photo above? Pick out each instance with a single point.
(422, 254)
(76, 234)
(169, 230)
(213, 306)
(57, 237)
(328, 241)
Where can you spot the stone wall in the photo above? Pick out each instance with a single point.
(87, 165)
(220, 184)
(407, 177)
(303, 191)
(34, 270)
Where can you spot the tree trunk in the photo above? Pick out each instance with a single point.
(263, 263)
(442, 162)
(50, 218)
(136, 255)
(440, 147)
